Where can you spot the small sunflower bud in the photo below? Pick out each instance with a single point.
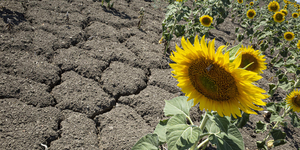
(270, 143)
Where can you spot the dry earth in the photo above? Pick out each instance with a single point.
(91, 79)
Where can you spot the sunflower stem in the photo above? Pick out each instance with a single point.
(204, 120)
(203, 143)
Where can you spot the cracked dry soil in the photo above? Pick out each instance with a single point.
(76, 75)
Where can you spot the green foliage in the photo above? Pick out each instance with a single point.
(260, 127)
(148, 142)
(178, 105)
(181, 136)
(295, 120)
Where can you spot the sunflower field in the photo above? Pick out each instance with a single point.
(223, 81)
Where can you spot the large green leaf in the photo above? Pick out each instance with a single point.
(277, 134)
(181, 136)
(243, 120)
(231, 141)
(148, 142)
(161, 130)
(178, 105)
(221, 122)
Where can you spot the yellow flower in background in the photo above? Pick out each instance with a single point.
(284, 11)
(273, 6)
(298, 44)
(206, 20)
(251, 13)
(285, 1)
(279, 17)
(285, 7)
(295, 15)
(179, 0)
(293, 100)
(249, 55)
(240, 1)
(251, 3)
(289, 36)
(212, 80)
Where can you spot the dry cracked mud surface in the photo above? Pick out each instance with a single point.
(78, 75)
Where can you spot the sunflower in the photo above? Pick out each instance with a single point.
(284, 11)
(273, 6)
(250, 55)
(179, 0)
(210, 79)
(298, 44)
(251, 13)
(295, 15)
(240, 1)
(251, 3)
(278, 17)
(289, 36)
(293, 100)
(206, 20)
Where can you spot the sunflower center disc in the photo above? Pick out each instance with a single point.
(273, 7)
(250, 14)
(206, 21)
(296, 100)
(289, 36)
(279, 17)
(212, 80)
(246, 60)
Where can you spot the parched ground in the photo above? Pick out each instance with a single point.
(76, 75)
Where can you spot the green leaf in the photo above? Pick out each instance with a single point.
(278, 134)
(179, 30)
(221, 122)
(181, 136)
(279, 142)
(279, 63)
(178, 105)
(274, 108)
(231, 141)
(260, 127)
(161, 130)
(261, 145)
(232, 51)
(148, 142)
(243, 120)
(272, 89)
(275, 118)
(284, 83)
(295, 120)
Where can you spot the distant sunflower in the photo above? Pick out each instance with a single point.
(250, 55)
(179, 0)
(295, 15)
(279, 17)
(251, 3)
(212, 80)
(289, 36)
(273, 6)
(298, 44)
(206, 20)
(251, 13)
(284, 11)
(240, 1)
(293, 100)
